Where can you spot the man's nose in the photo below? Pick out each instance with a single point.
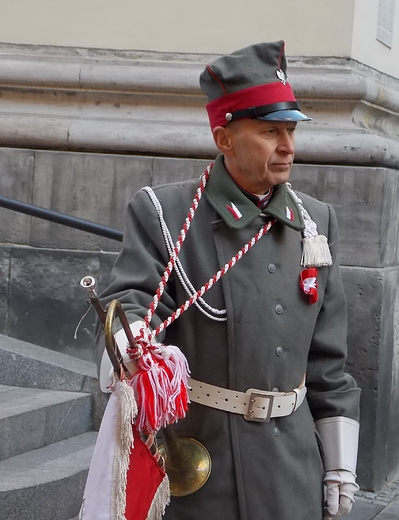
(286, 143)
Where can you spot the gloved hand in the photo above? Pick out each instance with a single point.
(340, 490)
(106, 372)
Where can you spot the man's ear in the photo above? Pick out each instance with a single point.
(223, 140)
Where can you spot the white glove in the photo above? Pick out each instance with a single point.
(106, 374)
(340, 490)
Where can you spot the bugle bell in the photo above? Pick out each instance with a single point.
(187, 463)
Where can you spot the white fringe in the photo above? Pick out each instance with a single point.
(315, 252)
(315, 248)
(123, 444)
(160, 501)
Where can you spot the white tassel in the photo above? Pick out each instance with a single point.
(316, 252)
(315, 248)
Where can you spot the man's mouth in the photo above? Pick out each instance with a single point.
(281, 165)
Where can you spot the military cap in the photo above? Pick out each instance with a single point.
(250, 83)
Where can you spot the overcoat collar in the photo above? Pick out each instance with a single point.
(237, 210)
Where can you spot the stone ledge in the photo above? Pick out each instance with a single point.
(177, 139)
(153, 105)
(133, 72)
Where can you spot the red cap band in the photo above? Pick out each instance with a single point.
(250, 97)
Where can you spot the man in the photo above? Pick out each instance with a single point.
(272, 324)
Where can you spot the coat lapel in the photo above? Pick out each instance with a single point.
(238, 211)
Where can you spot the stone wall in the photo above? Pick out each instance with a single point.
(365, 201)
(42, 262)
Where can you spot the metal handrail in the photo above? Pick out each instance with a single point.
(60, 218)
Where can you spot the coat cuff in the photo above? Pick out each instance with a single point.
(340, 438)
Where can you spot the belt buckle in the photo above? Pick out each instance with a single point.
(250, 411)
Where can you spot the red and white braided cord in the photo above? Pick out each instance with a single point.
(172, 260)
(263, 230)
(169, 268)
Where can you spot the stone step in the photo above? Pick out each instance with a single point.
(46, 483)
(33, 418)
(49, 370)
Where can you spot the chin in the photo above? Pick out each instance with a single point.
(282, 178)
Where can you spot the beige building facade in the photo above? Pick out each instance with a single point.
(340, 28)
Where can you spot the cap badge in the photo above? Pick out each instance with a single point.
(281, 76)
(229, 116)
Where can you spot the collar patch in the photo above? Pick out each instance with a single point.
(234, 211)
(289, 214)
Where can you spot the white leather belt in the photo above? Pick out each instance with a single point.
(254, 405)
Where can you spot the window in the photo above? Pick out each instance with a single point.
(385, 21)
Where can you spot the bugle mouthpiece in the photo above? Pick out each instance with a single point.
(88, 282)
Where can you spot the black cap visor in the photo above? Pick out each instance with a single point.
(285, 115)
(283, 111)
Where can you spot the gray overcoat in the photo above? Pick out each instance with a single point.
(272, 336)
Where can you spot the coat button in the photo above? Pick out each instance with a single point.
(271, 268)
(278, 308)
(279, 351)
(276, 432)
(275, 389)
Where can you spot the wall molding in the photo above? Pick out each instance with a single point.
(151, 103)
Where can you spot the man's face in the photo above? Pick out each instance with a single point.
(260, 153)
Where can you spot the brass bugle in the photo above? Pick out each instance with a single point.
(187, 462)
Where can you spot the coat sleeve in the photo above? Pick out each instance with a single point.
(139, 267)
(331, 391)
